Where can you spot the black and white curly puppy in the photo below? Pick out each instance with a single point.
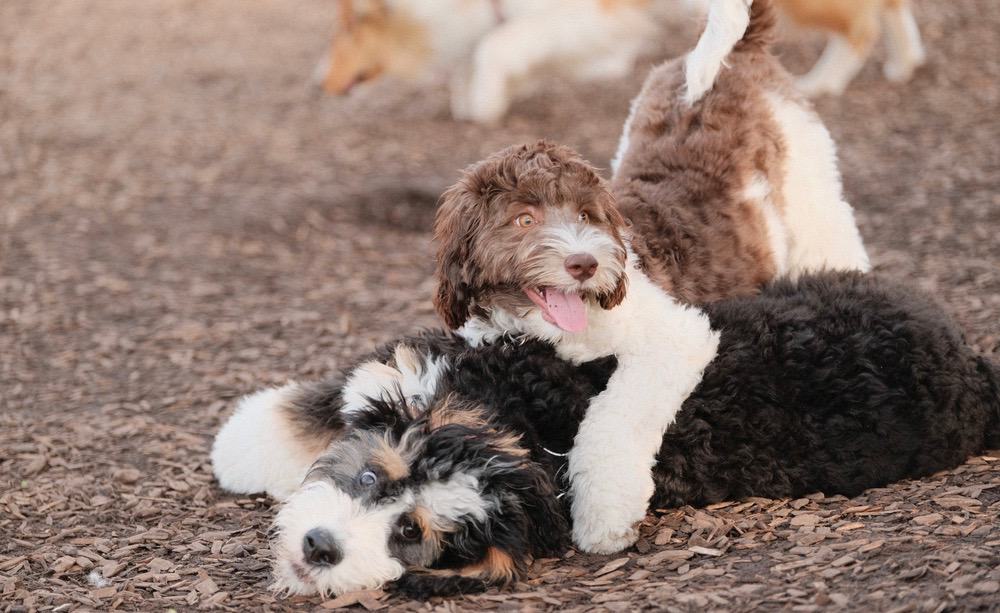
(441, 467)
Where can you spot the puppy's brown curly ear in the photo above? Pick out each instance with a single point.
(620, 229)
(453, 234)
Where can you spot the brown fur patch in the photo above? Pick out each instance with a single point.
(497, 567)
(456, 412)
(388, 458)
(312, 441)
(431, 535)
(855, 20)
(609, 6)
(681, 183)
(453, 411)
(407, 358)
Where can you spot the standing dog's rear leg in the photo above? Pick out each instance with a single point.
(819, 223)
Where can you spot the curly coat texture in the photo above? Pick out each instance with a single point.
(837, 382)
(683, 178)
(834, 383)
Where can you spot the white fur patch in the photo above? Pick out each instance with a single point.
(362, 533)
(758, 191)
(450, 500)
(662, 347)
(579, 38)
(727, 22)
(557, 241)
(415, 375)
(258, 450)
(624, 142)
(820, 223)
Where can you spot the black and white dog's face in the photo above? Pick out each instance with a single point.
(441, 502)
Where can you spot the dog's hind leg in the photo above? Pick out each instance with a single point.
(906, 51)
(819, 223)
(270, 442)
(852, 36)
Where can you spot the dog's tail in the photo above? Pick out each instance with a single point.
(733, 26)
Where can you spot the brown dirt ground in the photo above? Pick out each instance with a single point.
(182, 220)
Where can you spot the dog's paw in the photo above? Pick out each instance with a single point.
(901, 71)
(604, 539)
(609, 501)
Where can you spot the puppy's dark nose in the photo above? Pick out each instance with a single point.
(320, 548)
(581, 266)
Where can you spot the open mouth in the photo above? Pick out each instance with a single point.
(566, 310)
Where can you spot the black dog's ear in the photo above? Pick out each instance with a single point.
(453, 233)
(537, 515)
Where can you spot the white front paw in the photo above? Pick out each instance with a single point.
(604, 537)
(608, 504)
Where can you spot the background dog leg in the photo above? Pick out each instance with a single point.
(840, 63)
(902, 37)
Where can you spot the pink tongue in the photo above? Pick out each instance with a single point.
(566, 310)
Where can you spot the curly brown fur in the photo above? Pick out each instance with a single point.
(683, 179)
(706, 185)
(484, 258)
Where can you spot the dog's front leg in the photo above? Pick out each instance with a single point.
(660, 361)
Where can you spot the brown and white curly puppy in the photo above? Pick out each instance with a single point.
(530, 244)
(727, 172)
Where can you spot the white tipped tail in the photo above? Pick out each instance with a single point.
(727, 22)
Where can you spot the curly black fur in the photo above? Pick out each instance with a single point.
(835, 383)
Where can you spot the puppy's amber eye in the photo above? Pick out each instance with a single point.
(525, 220)
(583, 217)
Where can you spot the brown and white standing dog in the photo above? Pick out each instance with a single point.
(728, 174)
(531, 244)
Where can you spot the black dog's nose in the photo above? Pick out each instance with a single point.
(320, 548)
(581, 266)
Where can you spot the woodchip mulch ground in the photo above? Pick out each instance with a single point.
(182, 220)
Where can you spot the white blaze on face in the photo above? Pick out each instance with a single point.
(361, 531)
(556, 293)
